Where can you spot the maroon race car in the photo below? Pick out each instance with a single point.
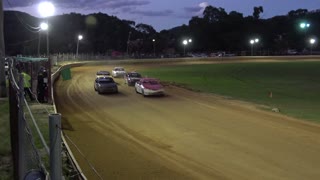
(149, 87)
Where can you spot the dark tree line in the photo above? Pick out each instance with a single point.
(216, 30)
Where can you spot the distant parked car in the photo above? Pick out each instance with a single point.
(131, 78)
(149, 87)
(292, 52)
(103, 74)
(105, 85)
(118, 72)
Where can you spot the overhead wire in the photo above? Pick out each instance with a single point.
(23, 42)
(24, 24)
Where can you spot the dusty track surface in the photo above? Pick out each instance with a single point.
(184, 135)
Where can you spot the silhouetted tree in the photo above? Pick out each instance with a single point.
(257, 11)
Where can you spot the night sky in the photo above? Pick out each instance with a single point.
(162, 14)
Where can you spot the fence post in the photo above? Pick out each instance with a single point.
(55, 146)
(21, 131)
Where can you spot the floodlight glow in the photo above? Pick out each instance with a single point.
(304, 25)
(251, 41)
(153, 40)
(46, 9)
(80, 37)
(44, 26)
(190, 40)
(312, 41)
(256, 40)
(185, 42)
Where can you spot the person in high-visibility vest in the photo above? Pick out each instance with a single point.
(27, 85)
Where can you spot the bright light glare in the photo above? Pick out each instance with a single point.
(304, 25)
(185, 42)
(80, 37)
(44, 26)
(256, 40)
(153, 40)
(46, 9)
(252, 41)
(312, 41)
(190, 40)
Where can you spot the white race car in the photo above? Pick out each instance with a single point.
(118, 72)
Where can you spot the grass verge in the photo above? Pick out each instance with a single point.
(5, 145)
(295, 86)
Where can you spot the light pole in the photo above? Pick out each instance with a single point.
(43, 27)
(154, 47)
(128, 43)
(80, 37)
(46, 9)
(304, 26)
(312, 41)
(252, 42)
(185, 43)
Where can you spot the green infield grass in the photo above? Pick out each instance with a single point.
(295, 86)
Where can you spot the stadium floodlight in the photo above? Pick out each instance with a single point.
(312, 42)
(44, 26)
(80, 37)
(46, 9)
(252, 42)
(184, 42)
(154, 47)
(304, 25)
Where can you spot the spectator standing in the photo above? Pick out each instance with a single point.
(27, 85)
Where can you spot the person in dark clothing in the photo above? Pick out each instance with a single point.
(41, 86)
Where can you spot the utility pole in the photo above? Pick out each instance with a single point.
(128, 43)
(3, 89)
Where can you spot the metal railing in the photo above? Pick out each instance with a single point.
(36, 153)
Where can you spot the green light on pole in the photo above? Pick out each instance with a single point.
(304, 25)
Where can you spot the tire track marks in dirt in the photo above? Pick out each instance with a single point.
(185, 135)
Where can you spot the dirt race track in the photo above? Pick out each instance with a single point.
(184, 135)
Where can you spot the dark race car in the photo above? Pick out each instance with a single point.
(131, 78)
(103, 74)
(105, 85)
